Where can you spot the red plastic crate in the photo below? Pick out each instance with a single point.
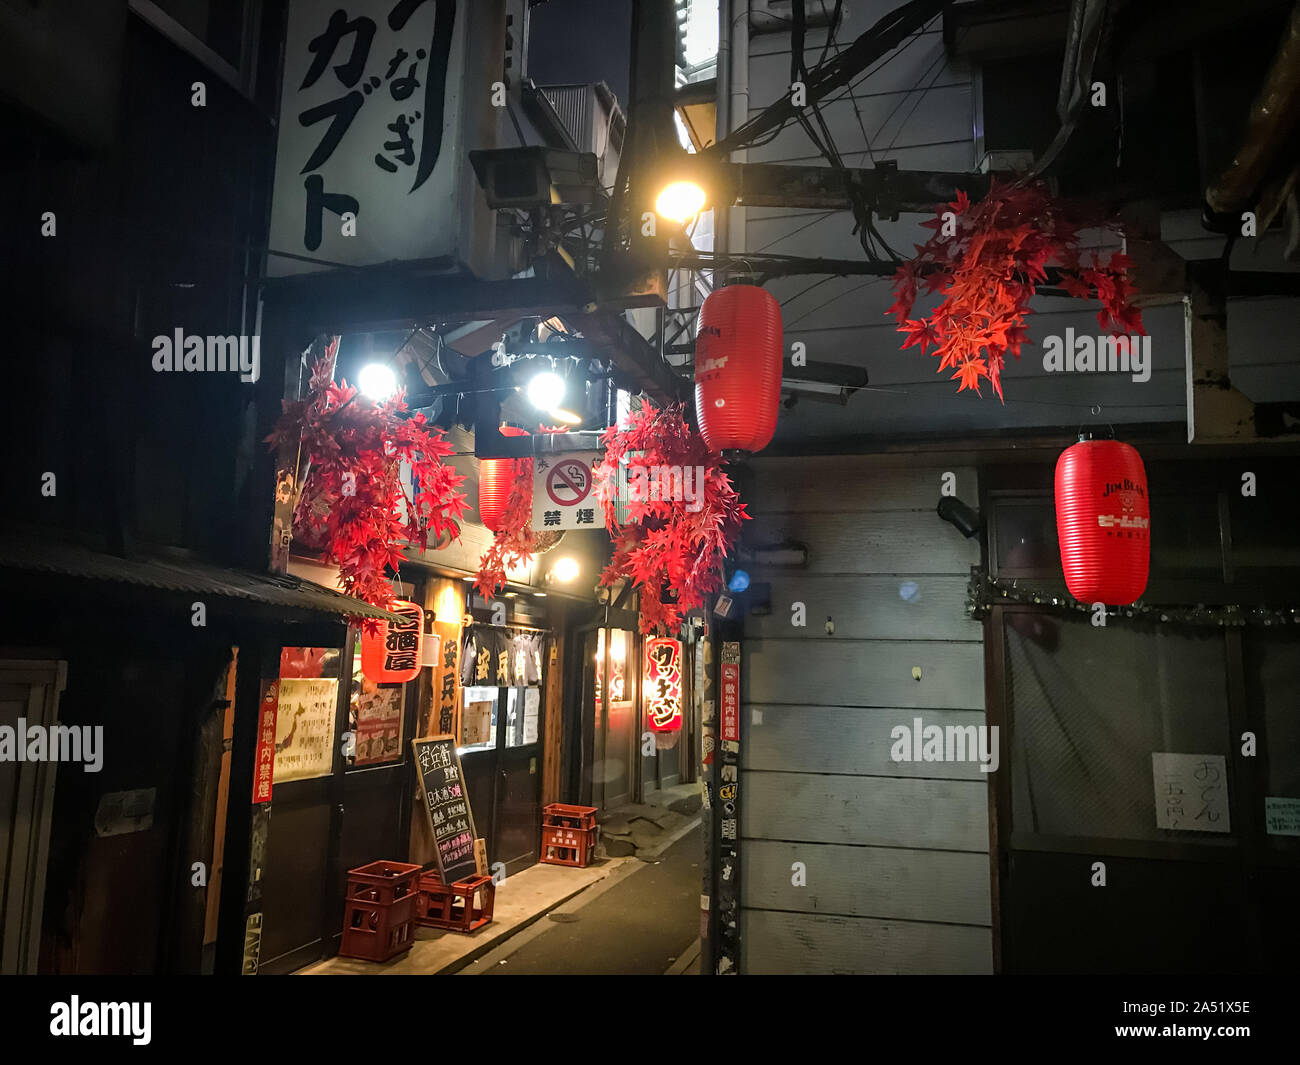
(568, 846)
(465, 906)
(377, 931)
(379, 911)
(561, 815)
(383, 881)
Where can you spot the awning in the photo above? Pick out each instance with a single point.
(176, 574)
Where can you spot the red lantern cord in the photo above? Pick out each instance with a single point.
(351, 501)
(985, 259)
(667, 547)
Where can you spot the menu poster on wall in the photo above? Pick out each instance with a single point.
(1191, 792)
(446, 805)
(378, 723)
(304, 728)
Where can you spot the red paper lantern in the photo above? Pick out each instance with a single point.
(495, 478)
(663, 684)
(1103, 521)
(393, 654)
(738, 368)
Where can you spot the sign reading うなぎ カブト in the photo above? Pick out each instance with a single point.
(381, 100)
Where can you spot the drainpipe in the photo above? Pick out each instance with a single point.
(722, 124)
(738, 107)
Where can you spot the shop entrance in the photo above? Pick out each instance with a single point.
(338, 799)
(501, 757)
(609, 717)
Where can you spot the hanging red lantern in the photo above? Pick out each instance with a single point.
(662, 684)
(738, 368)
(394, 653)
(495, 476)
(1103, 521)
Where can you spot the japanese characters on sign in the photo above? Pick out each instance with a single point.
(447, 806)
(393, 654)
(448, 689)
(564, 494)
(1191, 792)
(730, 698)
(304, 727)
(663, 684)
(373, 116)
(264, 763)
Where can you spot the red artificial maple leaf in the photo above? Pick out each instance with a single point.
(353, 501)
(987, 272)
(671, 552)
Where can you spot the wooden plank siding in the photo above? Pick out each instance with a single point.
(895, 854)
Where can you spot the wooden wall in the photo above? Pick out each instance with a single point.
(896, 853)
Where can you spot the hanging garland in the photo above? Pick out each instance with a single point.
(666, 549)
(984, 592)
(985, 259)
(350, 501)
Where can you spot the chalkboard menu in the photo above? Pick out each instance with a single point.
(446, 805)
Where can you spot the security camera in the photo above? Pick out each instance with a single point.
(959, 515)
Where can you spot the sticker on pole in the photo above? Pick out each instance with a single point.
(563, 496)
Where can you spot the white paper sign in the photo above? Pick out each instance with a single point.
(1282, 816)
(564, 495)
(370, 163)
(532, 703)
(1191, 792)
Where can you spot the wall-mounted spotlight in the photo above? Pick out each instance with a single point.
(565, 569)
(546, 390)
(959, 515)
(377, 381)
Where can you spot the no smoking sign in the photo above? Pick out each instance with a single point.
(562, 492)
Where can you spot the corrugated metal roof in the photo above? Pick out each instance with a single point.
(180, 575)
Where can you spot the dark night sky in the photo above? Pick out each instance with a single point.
(580, 41)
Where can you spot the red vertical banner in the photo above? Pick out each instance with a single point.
(264, 766)
(730, 700)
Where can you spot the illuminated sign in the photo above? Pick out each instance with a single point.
(663, 684)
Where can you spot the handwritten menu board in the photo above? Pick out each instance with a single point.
(446, 805)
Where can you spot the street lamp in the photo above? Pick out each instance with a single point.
(680, 201)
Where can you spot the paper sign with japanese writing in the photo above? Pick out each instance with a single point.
(304, 728)
(564, 496)
(1282, 816)
(376, 107)
(1191, 792)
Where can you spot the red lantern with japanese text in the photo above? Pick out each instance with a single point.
(662, 687)
(1103, 521)
(394, 653)
(738, 368)
(495, 477)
